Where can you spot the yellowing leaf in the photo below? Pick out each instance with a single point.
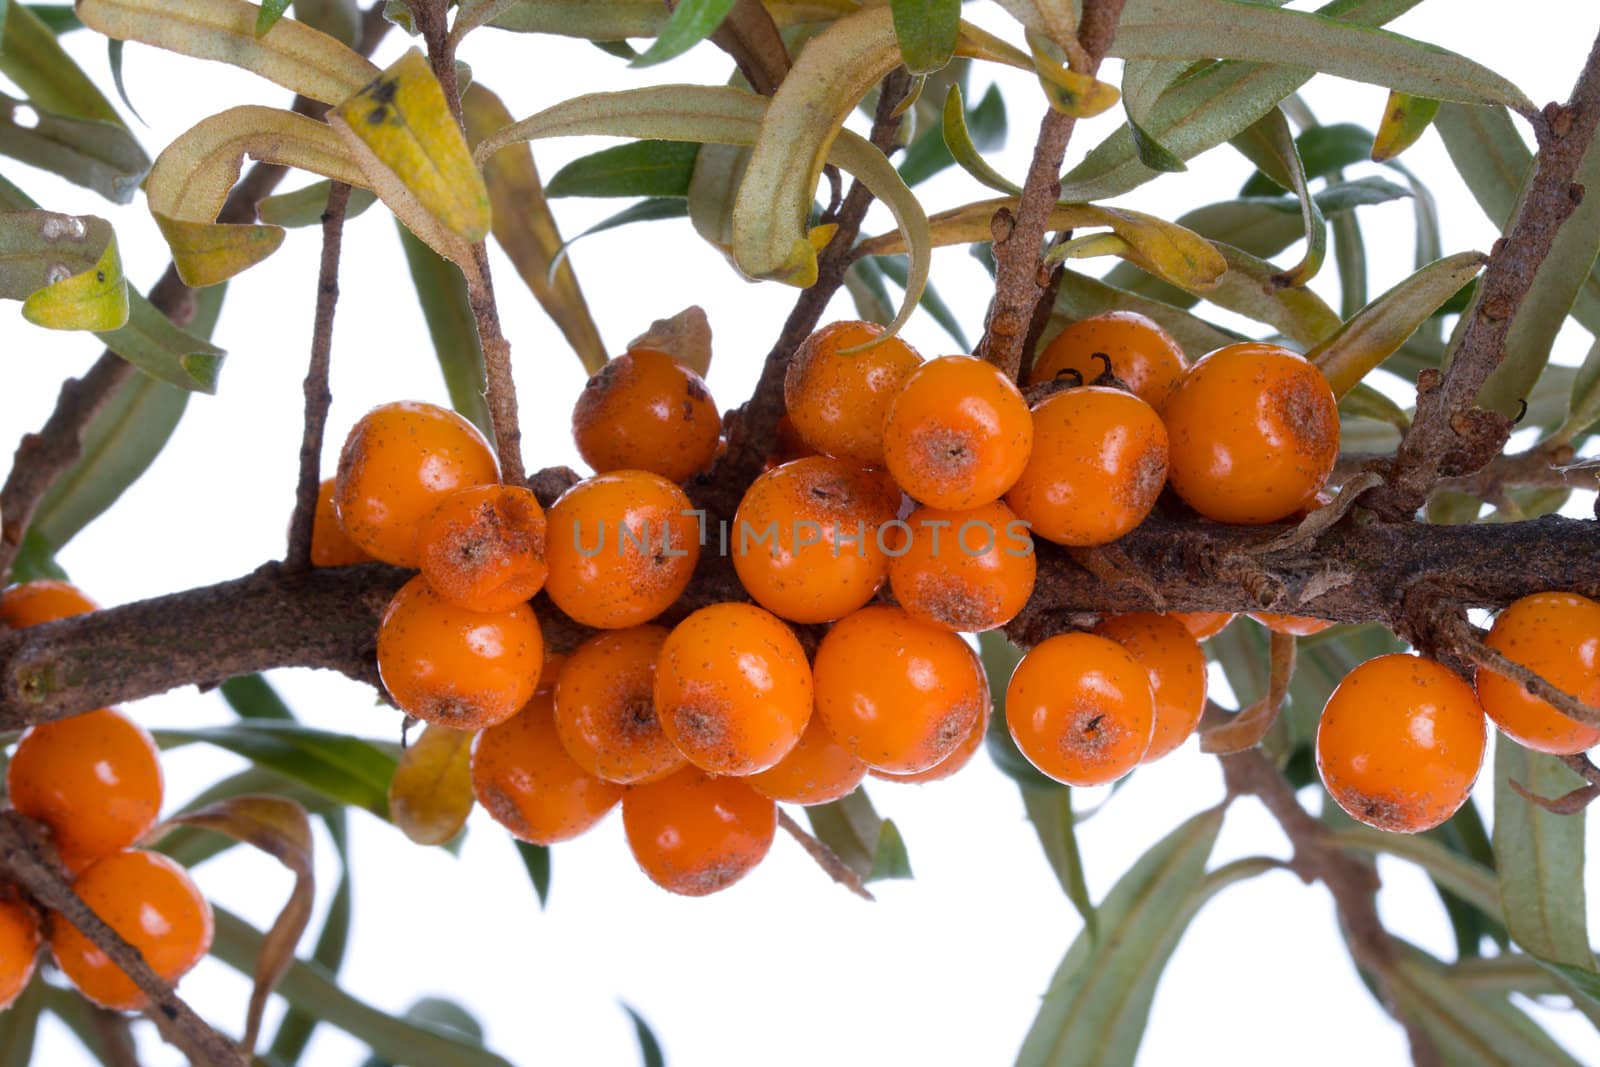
(405, 139)
(1405, 119)
(191, 178)
(431, 794)
(1070, 92)
(522, 224)
(65, 270)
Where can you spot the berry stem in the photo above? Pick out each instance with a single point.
(826, 858)
(318, 396)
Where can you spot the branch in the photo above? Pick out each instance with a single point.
(752, 429)
(1352, 883)
(826, 858)
(317, 395)
(29, 860)
(1537, 468)
(1018, 252)
(1450, 436)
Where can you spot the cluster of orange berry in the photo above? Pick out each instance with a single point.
(94, 781)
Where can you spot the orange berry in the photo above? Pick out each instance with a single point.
(733, 689)
(330, 545)
(1294, 625)
(93, 779)
(964, 570)
(458, 668)
(1098, 464)
(483, 548)
(959, 758)
(1400, 743)
(42, 600)
(957, 434)
(806, 539)
(817, 770)
(605, 707)
(398, 463)
(1204, 624)
(837, 400)
(1255, 433)
(646, 411)
(788, 445)
(1177, 669)
(1557, 636)
(901, 694)
(528, 782)
(19, 948)
(1143, 355)
(694, 834)
(154, 904)
(1080, 708)
(622, 548)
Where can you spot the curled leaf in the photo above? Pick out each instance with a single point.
(1270, 145)
(430, 796)
(65, 270)
(279, 827)
(1405, 119)
(401, 132)
(1378, 330)
(958, 139)
(291, 53)
(1251, 287)
(1070, 92)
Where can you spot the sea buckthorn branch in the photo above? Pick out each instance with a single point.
(1539, 467)
(752, 429)
(1018, 246)
(1450, 436)
(1472, 648)
(318, 397)
(1352, 882)
(29, 860)
(825, 857)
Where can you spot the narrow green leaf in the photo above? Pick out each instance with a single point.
(442, 292)
(649, 1048)
(536, 858)
(889, 859)
(692, 21)
(640, 168)
(1152, 153)
(652, 210)
(59, 17)
(1584, 410)
(958, 139)
(152, 343)
(20, 1022)
(305, 206)
(440, 1012)
(34, 60)
(252, 697)
(855, 832)
(1405, 119)
(1250, 288)
(1000, 657)
(114, 57)
(1467, 879)
(1270, 145)
(928, 154)
(1050, 811)
(1365, 402)
(1470, 1030)
(1081, 296)
(1465, 834)
(271, 11)
(339, 19)
(35, 560)
(927, 30)
(865, 284)
(1540, 858)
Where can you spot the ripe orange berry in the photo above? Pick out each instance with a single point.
(901, 694)
(805, 539)
(19, 948)
(816, 770)
(964, 570)
(1400, 743)
(837, 400)
(957, 434)
(1098, 464)
(1204, 624)
(646, 411)
(1081, 709)
(42, 600)
(1143, 355)
(1255, 433)
(1177, 669)
(959, 758)
(330, 545)
(154, 905)
(483, 548)
(528, 782)
(1294, 625)
(605, 707)
(694, 834)
(398, 463)
(733, 689)
(622, 548)
(93, 779)
(1557, 636)
(458, 668)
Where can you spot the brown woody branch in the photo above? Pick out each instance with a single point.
(824, 857)
(318, 396)
(1018, 247)
(30, 861)
(1537, 468)
(1450, 436)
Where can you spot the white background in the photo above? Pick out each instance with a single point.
(785, 968)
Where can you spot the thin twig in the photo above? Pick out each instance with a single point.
(1018, 254)
(1246, 729)
(318, 396)
(826, 858)
(28, 860)
(1472, 647)
(1450, 436)
(1537, 468)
